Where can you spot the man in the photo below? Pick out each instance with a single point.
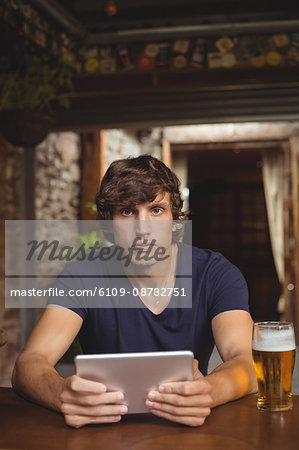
(140, 196)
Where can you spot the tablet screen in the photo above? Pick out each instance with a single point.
(135, 374)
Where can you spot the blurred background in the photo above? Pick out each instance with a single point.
(210, 87)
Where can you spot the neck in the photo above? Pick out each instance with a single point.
(158, 288)
(156, 274)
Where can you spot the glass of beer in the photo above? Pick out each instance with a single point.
(274, 351)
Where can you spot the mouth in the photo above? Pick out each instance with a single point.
(143, 247)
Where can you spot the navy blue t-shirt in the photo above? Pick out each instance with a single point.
(217, 286)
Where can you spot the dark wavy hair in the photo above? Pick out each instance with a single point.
(133, 181)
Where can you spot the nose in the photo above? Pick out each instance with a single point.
(143, 227)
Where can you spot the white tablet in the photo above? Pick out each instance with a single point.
(135, 374)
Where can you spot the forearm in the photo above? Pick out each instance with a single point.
(232, 379)
(36, 380)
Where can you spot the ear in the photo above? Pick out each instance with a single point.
(174, 226)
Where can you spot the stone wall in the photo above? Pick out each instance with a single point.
(11, 160)
(57, 174)
(125, 143)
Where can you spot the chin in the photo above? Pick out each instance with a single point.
(143, 262)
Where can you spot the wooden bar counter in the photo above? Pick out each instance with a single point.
(235, 426)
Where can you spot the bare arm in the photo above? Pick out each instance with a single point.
(34, 375)
(81, 401)
(190, 402)
(235, 377)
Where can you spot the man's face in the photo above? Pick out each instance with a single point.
(143, 224)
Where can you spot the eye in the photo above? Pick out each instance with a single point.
(126, 212)
(157, 211)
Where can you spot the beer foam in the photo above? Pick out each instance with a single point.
(273, 340)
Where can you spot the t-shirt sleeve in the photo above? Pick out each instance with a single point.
(227, 288)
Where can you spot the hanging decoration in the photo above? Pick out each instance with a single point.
(242, 52)
(181, 54)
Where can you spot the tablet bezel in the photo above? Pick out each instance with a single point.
(136, 374)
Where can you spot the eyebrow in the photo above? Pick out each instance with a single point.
(151, 205)
(157, 203)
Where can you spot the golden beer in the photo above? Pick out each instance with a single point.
(274, 372)
(273, 351)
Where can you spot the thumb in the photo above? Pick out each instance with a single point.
(196, 373)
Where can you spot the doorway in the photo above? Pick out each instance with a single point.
(228, 211)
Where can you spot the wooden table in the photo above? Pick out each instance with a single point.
(235, 426)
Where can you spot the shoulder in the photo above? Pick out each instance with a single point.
(224, 284)
(205, 256)
(216, 269)
(205, 263)
(210, 261)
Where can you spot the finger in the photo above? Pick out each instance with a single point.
(195, 365)
(79, 384)
(76, 421)
(197, 375)
(186, 420)
(202, 400)
(93, 411)
(200, 386)
(196, 372)
(79, 398)
(180, 410)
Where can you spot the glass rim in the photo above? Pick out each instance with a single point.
(271, 324)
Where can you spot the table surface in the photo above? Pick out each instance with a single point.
(237, 425)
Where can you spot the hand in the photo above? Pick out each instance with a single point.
(186, 402)
(84, 401)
